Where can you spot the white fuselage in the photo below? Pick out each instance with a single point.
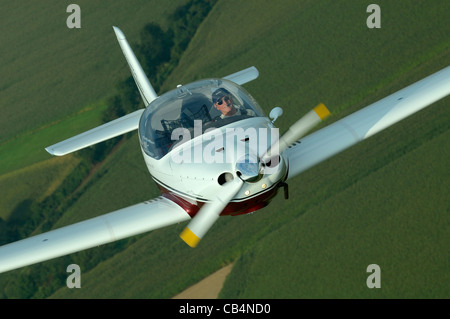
(196, 169)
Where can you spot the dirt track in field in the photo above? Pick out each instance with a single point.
(208, 288)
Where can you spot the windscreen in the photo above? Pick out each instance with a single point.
(201, 105)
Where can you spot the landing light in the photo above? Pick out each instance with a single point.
(275, 113)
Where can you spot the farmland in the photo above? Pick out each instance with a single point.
(384, 201)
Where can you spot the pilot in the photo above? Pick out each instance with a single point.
(223, 101)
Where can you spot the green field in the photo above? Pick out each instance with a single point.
(33, 182)
(385, 201)
(50, 71)
(29, 147)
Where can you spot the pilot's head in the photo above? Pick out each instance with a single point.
(222, 100)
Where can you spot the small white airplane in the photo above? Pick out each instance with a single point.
(229, 160)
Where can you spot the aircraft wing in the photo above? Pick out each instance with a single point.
(122, 125)
(366, 122)
(126, 222)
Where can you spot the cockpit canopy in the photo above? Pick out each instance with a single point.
(179, 108)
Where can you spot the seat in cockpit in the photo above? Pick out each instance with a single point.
(195, 107)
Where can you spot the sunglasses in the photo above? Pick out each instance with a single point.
(223, 99)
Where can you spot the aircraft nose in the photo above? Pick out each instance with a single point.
(248, 168)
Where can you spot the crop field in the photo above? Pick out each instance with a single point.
(50, 71)
(28, 147)
(385, 201)
(33, 182)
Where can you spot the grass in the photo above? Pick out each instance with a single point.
(33, 182)
(326, 250)
(29, 147)
(110, 189)
(383, 201)
(49, 71)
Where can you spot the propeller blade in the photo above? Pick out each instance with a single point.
(209, 213)
(298, 130)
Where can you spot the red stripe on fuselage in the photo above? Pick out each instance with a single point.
(233, 208)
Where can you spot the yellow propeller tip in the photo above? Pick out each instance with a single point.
(322, 111)
(189, 237)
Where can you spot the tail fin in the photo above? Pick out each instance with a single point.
(148, 94)
(243, 76)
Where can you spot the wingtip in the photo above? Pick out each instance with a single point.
(256, 71)
(119, 33)
(54, 152)
(49, 150)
